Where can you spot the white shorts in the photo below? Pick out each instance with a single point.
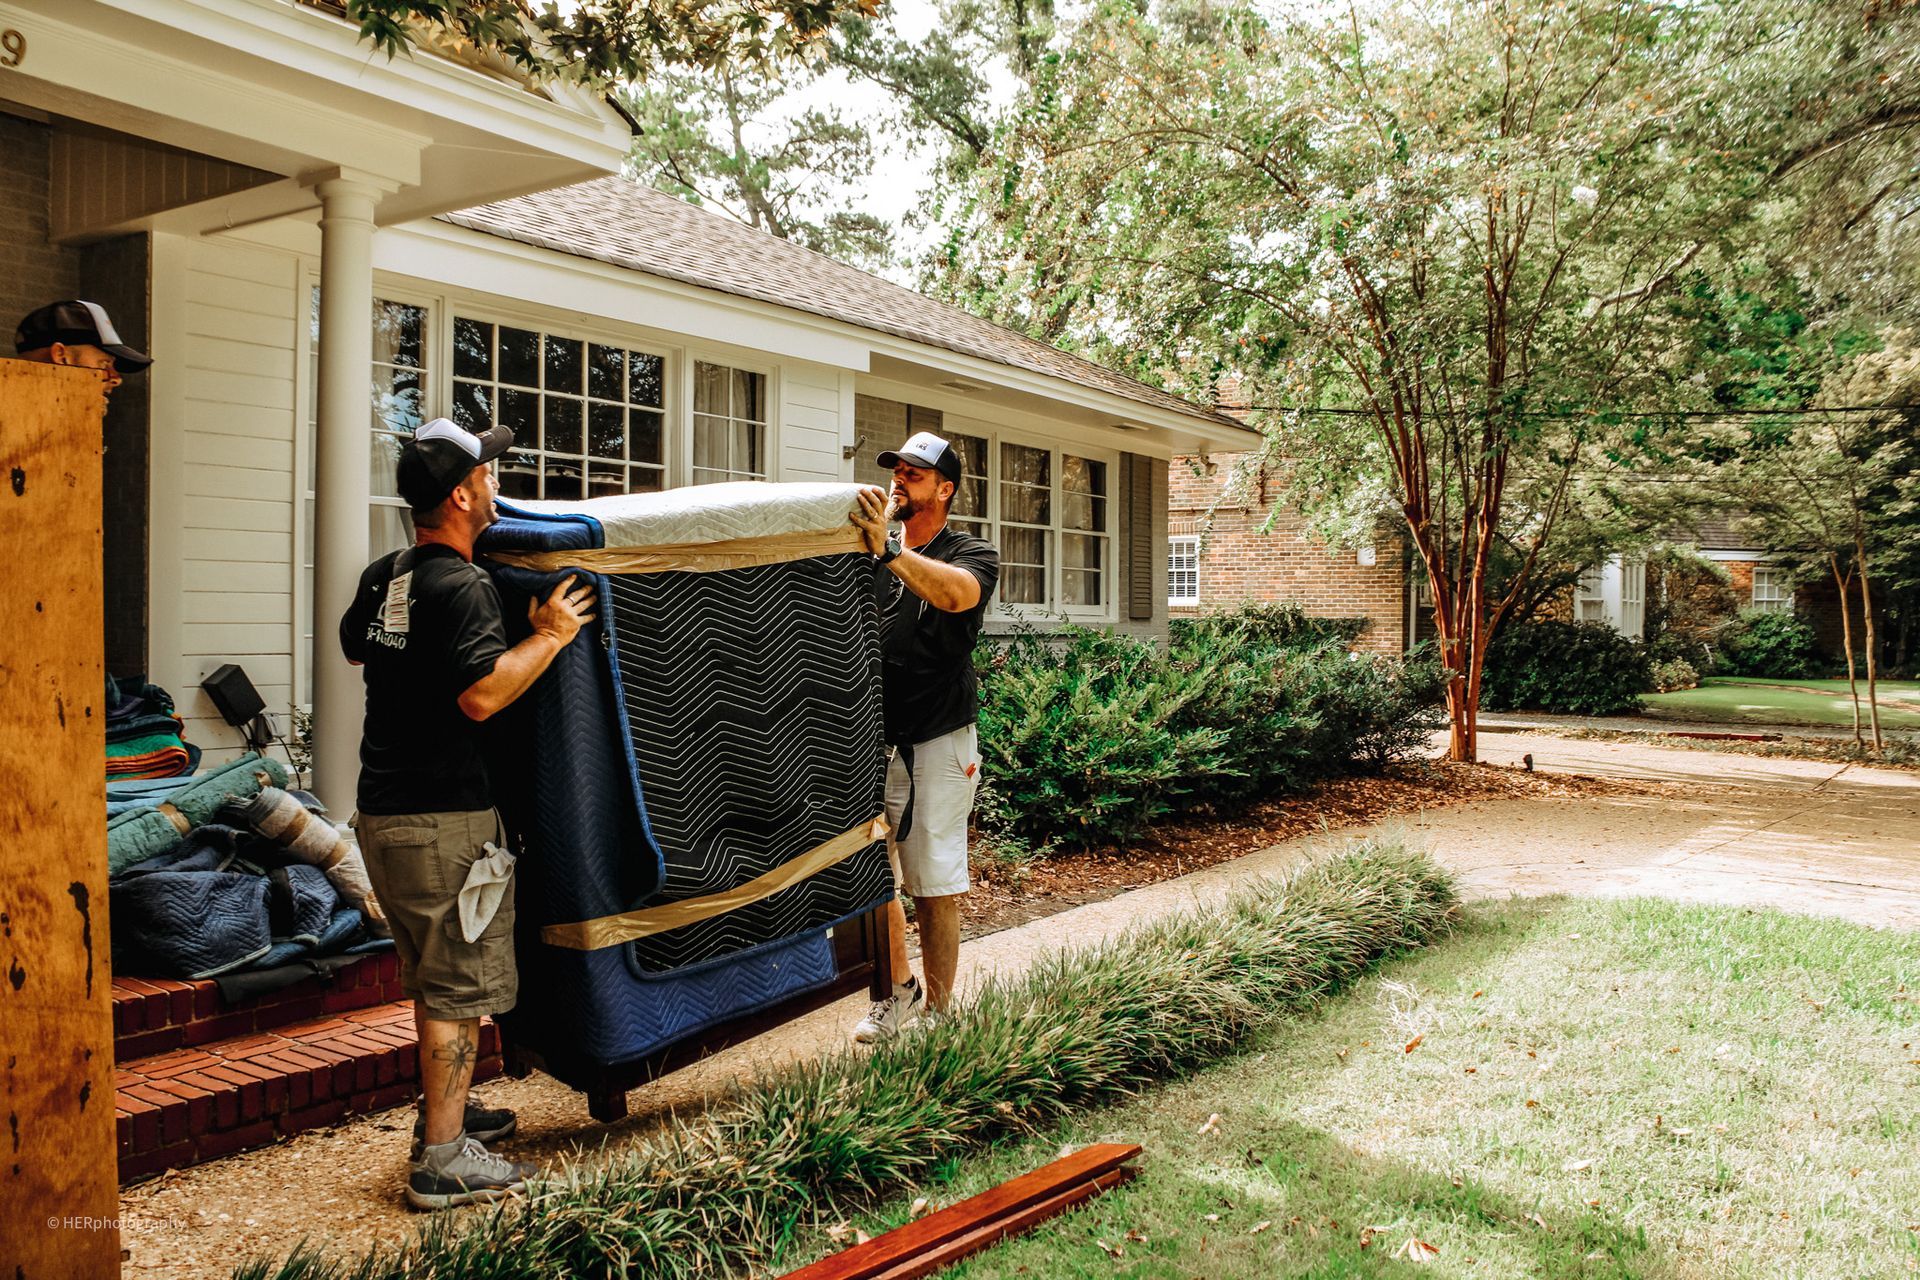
(931, 862)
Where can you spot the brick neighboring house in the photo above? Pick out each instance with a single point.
(1759, 581)
(1231, 541)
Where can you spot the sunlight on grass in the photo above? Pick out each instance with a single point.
(1566, 1089)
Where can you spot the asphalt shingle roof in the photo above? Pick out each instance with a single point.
(628, 225)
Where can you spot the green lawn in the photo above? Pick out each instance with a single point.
(1564, 1089)
(1728, 700)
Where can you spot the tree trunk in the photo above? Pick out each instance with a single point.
(1846, 641)
(1463, 691)
(1873, 666)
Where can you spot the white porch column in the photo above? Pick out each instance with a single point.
(342, 474)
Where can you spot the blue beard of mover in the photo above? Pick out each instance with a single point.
(380, 635)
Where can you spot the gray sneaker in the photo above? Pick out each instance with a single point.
(463, 1172)
(488, 1124)
(888, 1018)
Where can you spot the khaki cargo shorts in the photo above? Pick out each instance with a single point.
(417, 863)
(931, 862)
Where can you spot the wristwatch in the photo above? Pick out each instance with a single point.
(894, 547)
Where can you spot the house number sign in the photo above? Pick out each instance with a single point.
(13, 48)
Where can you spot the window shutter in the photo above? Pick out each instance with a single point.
(1140, 565)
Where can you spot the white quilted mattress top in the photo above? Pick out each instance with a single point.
(711, 512)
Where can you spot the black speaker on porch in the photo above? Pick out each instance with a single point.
(233, 695)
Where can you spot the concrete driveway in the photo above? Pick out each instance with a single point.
(1719, 827)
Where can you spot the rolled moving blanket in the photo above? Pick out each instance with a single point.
(139, 834)
(312, 839)
(241, 780)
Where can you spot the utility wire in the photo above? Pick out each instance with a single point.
(1633, 413)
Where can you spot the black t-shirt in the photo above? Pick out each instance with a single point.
(420, 753)
(928, 685)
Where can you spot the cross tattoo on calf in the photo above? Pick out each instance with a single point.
(459, 1057)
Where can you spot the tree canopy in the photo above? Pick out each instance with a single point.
(608, 42)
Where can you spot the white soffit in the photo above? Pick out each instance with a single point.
(284, 88)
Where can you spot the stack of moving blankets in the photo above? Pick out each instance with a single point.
(143, 733)
(697, 782)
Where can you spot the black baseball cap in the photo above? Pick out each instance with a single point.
(925, 449)
(440, 455)
(77, 323)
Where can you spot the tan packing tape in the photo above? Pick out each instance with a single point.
(691, 557)
(609, 931)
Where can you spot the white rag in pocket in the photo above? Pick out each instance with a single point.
(486, 884)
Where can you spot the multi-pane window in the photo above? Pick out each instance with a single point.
(586, 417)
(1589, 597)
(1083, 538)
(1183, 570)
(1026, 523)
(1771, 592)
(969, 510)
(729, 424)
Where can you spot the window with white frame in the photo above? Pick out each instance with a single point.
(1771, 591)
(1589, 597)
(588, 418)
(969, 510)
(729, 424)
(1026, 524)
(1183, 570)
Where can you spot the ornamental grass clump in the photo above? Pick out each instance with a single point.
(722, 1192)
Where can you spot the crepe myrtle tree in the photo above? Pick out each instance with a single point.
(602, 42)
(1444, 234)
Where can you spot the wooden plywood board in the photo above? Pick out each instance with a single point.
(58, 1184)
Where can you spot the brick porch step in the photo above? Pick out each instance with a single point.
(216, 1097)
(156, 1015)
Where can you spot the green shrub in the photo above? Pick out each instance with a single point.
(1090, 738)
(1673, 674)
(1572, 668)
(1768, 644)
(1275, 626)
(721, 1191)
(1673, 646)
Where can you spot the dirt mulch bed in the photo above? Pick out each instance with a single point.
(1004, 896)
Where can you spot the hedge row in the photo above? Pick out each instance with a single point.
(1089, 738)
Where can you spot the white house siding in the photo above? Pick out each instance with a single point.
(223, 484)
(810, 424)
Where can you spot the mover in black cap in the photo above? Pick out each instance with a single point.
(80, 334)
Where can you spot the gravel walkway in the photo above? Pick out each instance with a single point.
(1806, 836)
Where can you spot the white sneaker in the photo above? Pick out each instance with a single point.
(889, 1017)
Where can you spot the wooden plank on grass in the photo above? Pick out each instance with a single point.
(992, 1233)
(978, 1217)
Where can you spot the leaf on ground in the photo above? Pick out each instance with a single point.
(839, 1231)
(1576, 1166)
(1415, 1042)
(860, 1237)
(1537, 1221)
(1680, 1131)
(1136, 1235)
(920, 1207)
(1211, 1217)
(1111, 1250)
(1533, 1102)
(1417, 1250)
(1212, 1125)
(1258, 1227)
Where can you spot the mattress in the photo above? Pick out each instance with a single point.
(713, 739)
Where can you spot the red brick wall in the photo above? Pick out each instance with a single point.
(1227, 503)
